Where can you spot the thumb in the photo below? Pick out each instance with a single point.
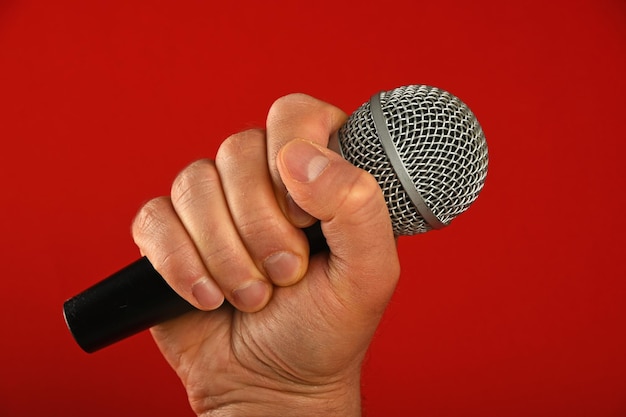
(363, 261)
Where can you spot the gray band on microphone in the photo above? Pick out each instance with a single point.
(398, 166)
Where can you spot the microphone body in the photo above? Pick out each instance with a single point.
(132, 300)
(128, 302)
(423, 145)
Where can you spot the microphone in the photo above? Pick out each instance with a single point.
(423, 145)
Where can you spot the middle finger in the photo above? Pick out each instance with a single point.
(199, 202)
(278, 248)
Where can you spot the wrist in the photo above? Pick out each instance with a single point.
(302, 401)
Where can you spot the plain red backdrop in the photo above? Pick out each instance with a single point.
(517, 309)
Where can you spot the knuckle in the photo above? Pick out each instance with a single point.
(148, 219)
(198, 179)
(290, 100)
(222, 258)
(255, 225)
(306, 109)
(238, 146)
(285, 106)
(167, 260)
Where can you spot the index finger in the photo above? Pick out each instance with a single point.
(298, 116)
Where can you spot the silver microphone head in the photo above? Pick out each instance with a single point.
(425, 148)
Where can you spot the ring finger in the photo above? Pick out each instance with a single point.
(278, 248)
(198, 199)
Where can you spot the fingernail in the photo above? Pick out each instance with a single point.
(207, 294)
(298, 217)
(251, 296)
(283, 268)
(304, 161)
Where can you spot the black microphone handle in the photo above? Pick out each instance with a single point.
(132, 300)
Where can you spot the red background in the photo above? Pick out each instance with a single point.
(517, 309)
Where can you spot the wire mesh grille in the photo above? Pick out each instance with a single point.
(440, 143)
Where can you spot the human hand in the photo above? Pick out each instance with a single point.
(294, 337)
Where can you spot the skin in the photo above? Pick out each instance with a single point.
(296, 331)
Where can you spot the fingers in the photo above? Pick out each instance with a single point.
(193, 243)
(298, 116)
(162, 238)
(363, 260)
(231, 227)
(278, 248)
(199, 201)
(222, 233)
(313, 182)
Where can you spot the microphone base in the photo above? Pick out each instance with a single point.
(128, 302)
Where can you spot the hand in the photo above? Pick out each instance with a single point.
(294, 337)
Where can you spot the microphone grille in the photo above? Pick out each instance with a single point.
(425, 148)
